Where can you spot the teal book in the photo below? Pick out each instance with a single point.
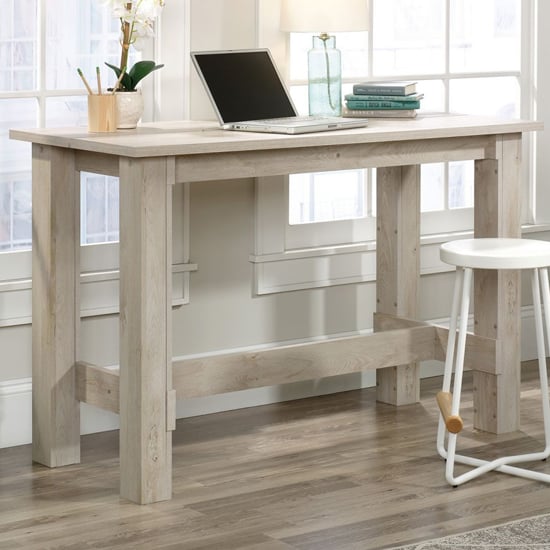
(382, 104)
(371, 97)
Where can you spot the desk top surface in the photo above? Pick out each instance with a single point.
(199, 137)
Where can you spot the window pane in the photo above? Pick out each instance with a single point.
(15, 213)
(99, 208)
(485, 35)
(485, 96)
(408, 37)
(432, 181)
(461, 184)
(17, 44)
(460, 187)
(326, 196)
(353, 46)
(66, 111)
(434, 96)
(300, 43)
(112, 209)
(90, 39)
(15, 174)
(299, 95)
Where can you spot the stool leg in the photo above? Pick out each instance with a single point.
(505, 464)
(459, 368)
(542, 351)
(449, 356)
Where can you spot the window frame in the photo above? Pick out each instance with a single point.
(279, 267)
(99, 262)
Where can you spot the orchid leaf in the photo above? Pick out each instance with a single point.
(139, 71)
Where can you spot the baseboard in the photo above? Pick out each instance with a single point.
(15, 396)
(15, 412)
(16, 404)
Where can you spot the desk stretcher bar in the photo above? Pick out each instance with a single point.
(411, 341)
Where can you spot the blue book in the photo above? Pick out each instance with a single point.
(385, 88)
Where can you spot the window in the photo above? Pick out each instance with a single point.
(42, 42)
(466, 56)
(313, 198)
(453, 50)
(39, 86)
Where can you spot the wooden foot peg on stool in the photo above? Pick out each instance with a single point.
(453, 422)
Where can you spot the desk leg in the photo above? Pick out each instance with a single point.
(398, 269)
(55, 310)
(146, 414)
(497, 294)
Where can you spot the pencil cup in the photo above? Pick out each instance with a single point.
(102, 115)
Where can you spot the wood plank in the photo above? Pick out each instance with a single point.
(145, 352)
(387, 321)
(98, 386)
(480, 351)
(497, 294)
(97, 163)
(170, 396)
(176, 138)
(327, 157)
(55, 255)
(398, 268)
(225, 373)
(218, 374)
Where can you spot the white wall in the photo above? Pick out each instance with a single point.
(223, 314)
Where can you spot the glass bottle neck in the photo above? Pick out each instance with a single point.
(324, 40)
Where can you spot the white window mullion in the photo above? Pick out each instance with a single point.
(41, 68)
(446, 87)
(529, 105)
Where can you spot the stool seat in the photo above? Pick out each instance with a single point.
(497, 253)
(488, 253)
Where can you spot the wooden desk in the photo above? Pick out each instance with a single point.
(149, 161)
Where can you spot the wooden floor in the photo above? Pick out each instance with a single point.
(337, 472)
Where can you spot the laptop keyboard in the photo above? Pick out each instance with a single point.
(282, 120)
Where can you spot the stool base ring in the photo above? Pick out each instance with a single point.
(502, 465)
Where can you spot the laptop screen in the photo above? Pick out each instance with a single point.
(243, 85)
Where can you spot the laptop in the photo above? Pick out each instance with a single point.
(248, 94)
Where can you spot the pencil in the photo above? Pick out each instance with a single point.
(98, 80)
(85, 81)
(115, 87)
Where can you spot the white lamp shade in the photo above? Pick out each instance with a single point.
(324, 15)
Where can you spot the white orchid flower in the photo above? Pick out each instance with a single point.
(137, 24)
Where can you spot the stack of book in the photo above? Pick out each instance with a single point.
(383, 99)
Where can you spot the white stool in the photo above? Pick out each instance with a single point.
(499, 253)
